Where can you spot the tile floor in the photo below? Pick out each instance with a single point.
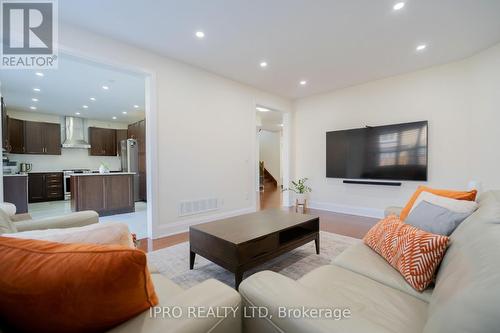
(137, 221)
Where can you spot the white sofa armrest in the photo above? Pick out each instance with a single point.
(78, 219)
(110, 233)
(208, 295)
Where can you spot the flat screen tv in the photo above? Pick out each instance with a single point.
(393, 152)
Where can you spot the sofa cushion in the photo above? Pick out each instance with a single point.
(208, 295)
(413, 252)
(375, 307)
(435, 219)
(363, 260)
(466, 297)
(109, 233)
(71, 287)
(165, 287)
(459, 195)
(6, 225)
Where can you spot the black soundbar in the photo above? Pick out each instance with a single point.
(370, 182)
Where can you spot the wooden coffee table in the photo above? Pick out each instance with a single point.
(243, 242)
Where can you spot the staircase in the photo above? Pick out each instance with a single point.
(267, 181)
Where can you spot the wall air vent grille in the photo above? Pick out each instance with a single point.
(198, 206)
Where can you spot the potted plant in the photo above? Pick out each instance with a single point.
(300, 189)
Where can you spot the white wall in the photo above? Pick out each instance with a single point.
(269, 152)
(70, 158)
(460, 100)
(203, 135)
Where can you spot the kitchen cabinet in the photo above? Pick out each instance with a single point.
(42, 138)
(107, 194)
(138, 131)
(102, 141)
(52, 134)
(15, 191)
(121, 134)
(45, 186)
(15, 136)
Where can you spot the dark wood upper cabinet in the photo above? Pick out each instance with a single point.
(34, 138)
(52, 133)
(120, 135)
(15, 136)
(102, 141)
(42, 138)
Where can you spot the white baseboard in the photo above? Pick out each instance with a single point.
(346, 209)
(181, 226)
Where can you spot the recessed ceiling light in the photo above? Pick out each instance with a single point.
(114, 117)
(33, 107)
(34, 99)
(421, 47)
(261, 109)
(77, 113)
(281, 125)
(105, 87)
(263, 64)
(124, 112)
(92, 99)
(399, 6)
(200, 34)
(303, 82)
(136, 106)
(39, 74)
(85, 106)
(36, 89)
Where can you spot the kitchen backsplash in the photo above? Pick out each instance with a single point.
(69, 159)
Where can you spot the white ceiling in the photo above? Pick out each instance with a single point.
(65, 90)
(330, 43)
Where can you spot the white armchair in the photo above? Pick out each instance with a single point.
(9, 223)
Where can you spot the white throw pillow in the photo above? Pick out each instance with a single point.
(458, 206)
(109, 233)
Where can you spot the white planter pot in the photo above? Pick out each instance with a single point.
(103, 169)
(300, 198)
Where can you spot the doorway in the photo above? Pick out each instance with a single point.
(100, 105)
(271, 140)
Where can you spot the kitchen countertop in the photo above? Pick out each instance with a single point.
(15, 175)
(102, 174)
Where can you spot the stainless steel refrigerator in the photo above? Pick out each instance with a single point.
(130, 161)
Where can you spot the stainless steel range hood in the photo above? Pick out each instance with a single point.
(75, 136)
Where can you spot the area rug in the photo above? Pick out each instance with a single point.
(173, 262)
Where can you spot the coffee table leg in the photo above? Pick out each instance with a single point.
(238, 277)
(192, 255)
(316, 241)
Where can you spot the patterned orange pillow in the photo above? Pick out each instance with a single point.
(413, 252)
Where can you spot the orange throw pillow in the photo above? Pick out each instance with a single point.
(415, 253)
(54, 287)
(459, 195)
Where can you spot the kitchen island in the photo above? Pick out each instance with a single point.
(105, 193)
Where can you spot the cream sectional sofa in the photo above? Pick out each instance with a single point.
(465, 298)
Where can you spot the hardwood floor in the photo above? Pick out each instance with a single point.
(343, 224)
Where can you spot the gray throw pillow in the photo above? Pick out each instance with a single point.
(435, 219)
